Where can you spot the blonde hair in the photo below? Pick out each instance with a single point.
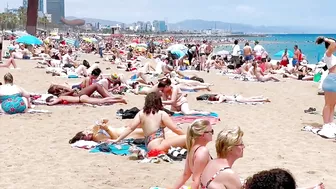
(226, 140)
(8, 78)
(195, 130)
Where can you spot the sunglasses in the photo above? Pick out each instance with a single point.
(211, 131)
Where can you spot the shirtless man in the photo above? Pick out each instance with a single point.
(248, 52)
(297, 53)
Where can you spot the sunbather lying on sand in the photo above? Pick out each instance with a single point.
(153, 120)
(74, 96)
(236, 98)
(101, 132)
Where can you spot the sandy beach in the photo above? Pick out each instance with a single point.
(35, 153)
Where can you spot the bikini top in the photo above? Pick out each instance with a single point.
(213, 177)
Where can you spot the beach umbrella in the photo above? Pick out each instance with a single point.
(29, 40)
(141, 49)
(142, 45)
(222, 53)
(178, 47)
(280, 53)
(69, 41)
(93, 40)
(20, 33)
(132, 45)
(87, 39)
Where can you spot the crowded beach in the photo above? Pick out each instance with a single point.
(83, 111)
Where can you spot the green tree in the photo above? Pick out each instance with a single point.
(22, 15)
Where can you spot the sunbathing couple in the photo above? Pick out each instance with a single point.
(149, 123)
(81, 93)
(216, 173)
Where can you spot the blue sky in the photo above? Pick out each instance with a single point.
(256, 12)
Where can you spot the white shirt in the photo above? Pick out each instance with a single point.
(259, 49)
(235, 50)
(330, 61)
(66, 59)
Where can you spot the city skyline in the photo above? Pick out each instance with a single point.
(260, 12)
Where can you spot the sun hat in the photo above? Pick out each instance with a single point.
(114, 76)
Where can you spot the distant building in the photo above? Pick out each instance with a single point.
(14, 11)
(148, 26)
(162, 26)
(56, 9)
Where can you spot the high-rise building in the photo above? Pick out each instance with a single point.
(40, 5)
(56, 9)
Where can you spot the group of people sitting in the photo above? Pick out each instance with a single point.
(160, 133)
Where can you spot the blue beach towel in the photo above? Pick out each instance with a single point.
(212, 114)
(118, 149)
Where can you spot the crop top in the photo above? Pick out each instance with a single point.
(330, 61)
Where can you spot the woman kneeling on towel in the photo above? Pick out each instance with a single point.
(152, 119)
(199, 134)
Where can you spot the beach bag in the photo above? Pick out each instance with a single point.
(130, 113)
(195, 78)
(317, 77)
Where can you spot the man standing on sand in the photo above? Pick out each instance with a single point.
(258, 50)
(248, 52)
(235, 53)
(296, 55)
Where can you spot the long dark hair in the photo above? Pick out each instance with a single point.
(153, 103)
(320, 40)
(77, 137)
(164, 83)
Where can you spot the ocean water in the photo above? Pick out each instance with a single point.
(274, 43)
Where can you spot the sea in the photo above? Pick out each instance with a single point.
(274, 43)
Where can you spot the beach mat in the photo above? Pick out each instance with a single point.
(324, 133)
(117, 149)
(179, 118)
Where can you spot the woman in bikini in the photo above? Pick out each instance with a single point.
(218, 173)
(88, 80)
(258, 74)
(67, 95)
(172, 95)
(152, 119)
(101, 132)
(219, 98)
(199, 134)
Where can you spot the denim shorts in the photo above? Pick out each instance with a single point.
(329, 83)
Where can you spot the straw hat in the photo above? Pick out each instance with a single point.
(114, 76)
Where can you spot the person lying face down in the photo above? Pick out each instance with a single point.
(101, 132)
